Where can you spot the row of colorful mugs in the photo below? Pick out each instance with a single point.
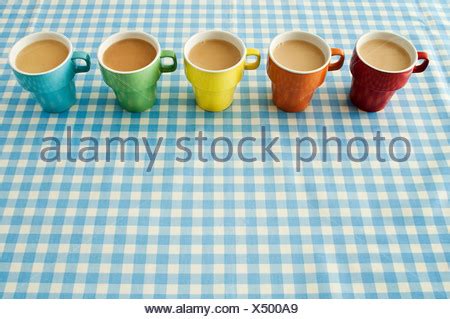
(292, 90)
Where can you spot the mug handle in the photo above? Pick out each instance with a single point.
(252, 65)
(78, 55)
(170, 67)
(338, 64)
(422, 66)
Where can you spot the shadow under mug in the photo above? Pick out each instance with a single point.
(136, 90)
(372, 88)
(214, 89)
(53, 89)
(293, 90)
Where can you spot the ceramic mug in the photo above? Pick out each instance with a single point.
(214, 89)
(136, 90)
(53, 89)
(372, 88)
(292, 90)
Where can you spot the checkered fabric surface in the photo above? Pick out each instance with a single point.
(235, 230)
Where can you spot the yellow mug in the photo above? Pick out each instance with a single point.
(214, 89)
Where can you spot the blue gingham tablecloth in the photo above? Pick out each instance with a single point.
(335, 229)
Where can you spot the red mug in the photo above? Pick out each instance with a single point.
(372, 88)
(293, 90)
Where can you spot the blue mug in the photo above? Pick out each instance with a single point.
(53, 89)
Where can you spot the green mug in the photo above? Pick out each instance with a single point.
(136, 90)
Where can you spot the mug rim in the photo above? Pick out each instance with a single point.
(13, 55)
(201, 33)
(299, 32)
(123, 35)
(394, 35)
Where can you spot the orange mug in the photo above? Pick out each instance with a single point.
(292, 90)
